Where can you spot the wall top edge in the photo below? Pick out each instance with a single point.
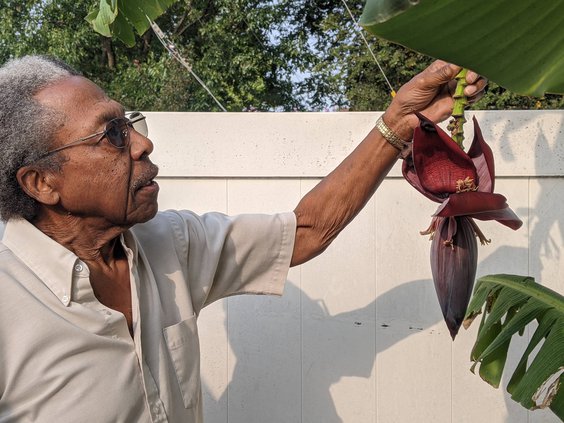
(311, 144)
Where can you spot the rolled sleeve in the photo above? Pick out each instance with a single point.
(222, 255)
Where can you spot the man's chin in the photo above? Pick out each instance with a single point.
(149, 215)
(142, 216)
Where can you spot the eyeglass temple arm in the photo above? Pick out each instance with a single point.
(78, 141)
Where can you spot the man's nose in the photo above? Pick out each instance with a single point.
(140, 145)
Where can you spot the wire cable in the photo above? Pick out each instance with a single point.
(171, 48)
(359, 31)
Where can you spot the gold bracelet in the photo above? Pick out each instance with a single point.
(390, 136)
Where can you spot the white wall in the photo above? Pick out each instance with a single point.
(358, 336)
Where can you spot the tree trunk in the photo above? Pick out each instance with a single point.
(109, 52)
(147, 41)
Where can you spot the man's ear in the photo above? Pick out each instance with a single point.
(38, 184)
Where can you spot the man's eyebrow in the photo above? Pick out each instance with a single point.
(109, 115)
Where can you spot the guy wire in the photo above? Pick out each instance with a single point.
(359, 31)
(171, 48)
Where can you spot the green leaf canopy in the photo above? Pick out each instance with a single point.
(519, 44)
(121, 17)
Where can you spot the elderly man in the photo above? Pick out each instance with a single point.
(100, 293)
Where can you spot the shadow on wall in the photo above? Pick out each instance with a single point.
(546, 214)
(285, 365)
(347, 344)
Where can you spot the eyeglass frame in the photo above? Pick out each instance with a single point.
(129, 123)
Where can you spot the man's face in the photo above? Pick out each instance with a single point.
(98, 180)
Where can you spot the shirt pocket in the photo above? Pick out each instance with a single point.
(184, 348)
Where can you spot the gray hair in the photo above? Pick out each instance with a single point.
(26, 128)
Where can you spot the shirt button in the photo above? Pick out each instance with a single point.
(114, 337)
(65, 299)
(78, 268)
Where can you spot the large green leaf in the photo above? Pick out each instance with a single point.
(102, 17)
(120, 17)
(518, 44)
(510, 303)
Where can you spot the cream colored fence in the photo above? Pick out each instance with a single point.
(358, 335)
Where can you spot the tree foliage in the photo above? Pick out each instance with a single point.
(365, 87)
(252, 54)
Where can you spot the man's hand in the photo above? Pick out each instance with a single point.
(430, 93)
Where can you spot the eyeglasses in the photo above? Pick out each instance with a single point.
(116, 132)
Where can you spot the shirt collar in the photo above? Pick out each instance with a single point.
(129, 243)
(49, 260)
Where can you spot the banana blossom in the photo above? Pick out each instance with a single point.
(463, 183)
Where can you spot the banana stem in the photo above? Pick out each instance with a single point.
(455, 126)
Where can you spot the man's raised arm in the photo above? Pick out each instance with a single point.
(338, 198)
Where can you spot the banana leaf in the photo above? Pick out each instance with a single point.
(122, 17)
(519, 44)
(508, 303)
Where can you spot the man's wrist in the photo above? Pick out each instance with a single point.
(394, 139)
(397, 131)
(399, 124)
(402, 145)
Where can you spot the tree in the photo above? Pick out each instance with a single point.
(267, 55)
(227, 42)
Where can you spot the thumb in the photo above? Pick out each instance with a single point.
(442, 72)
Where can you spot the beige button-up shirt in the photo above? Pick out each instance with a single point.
(65, 357)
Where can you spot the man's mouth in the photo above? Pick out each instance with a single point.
(147, 178)
(151, 182)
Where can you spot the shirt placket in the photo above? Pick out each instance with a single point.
(154, 403)
(116, 328)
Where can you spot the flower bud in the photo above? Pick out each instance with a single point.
(454, 258)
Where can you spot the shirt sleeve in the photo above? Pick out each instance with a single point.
(229, 255)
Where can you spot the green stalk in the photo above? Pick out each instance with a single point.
(455, 126)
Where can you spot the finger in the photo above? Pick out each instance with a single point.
(472, 77)
(441, 72)
(481, 84)
(439, 66)
(475, 97)
(448, 71)
(476, 88)
(436, 65)
(451, 87)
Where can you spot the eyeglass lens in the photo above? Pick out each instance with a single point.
(139, 123)
(117, 130)
(117, 133)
